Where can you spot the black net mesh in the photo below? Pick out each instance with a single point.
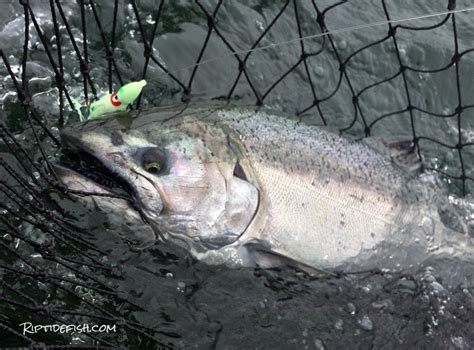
(355, 66)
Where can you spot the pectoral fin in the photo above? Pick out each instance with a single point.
(267, 258)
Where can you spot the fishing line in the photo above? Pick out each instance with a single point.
(319, 35)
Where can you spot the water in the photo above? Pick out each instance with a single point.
(191, 305)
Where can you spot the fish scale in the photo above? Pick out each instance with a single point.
(246, 186)
(329, 198)
(312, 149)
(322, 224)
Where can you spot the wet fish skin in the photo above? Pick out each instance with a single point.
(307, 194)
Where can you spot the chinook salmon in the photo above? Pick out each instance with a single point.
(245, 187)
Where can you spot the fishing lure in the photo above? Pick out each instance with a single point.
(114, 102)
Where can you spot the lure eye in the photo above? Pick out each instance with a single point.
(115, 100)
(154, 161)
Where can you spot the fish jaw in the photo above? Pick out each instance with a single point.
(123, 218)
(115, 174)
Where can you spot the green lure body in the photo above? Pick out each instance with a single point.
(115, 102)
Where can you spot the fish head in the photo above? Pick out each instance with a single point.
(183, 176)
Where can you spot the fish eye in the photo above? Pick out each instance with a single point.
(152, 167)
(154, 160)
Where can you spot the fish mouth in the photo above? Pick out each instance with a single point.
(81, 171)
(84, 174)
(94, 171)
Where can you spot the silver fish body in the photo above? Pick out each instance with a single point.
(245, 186)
